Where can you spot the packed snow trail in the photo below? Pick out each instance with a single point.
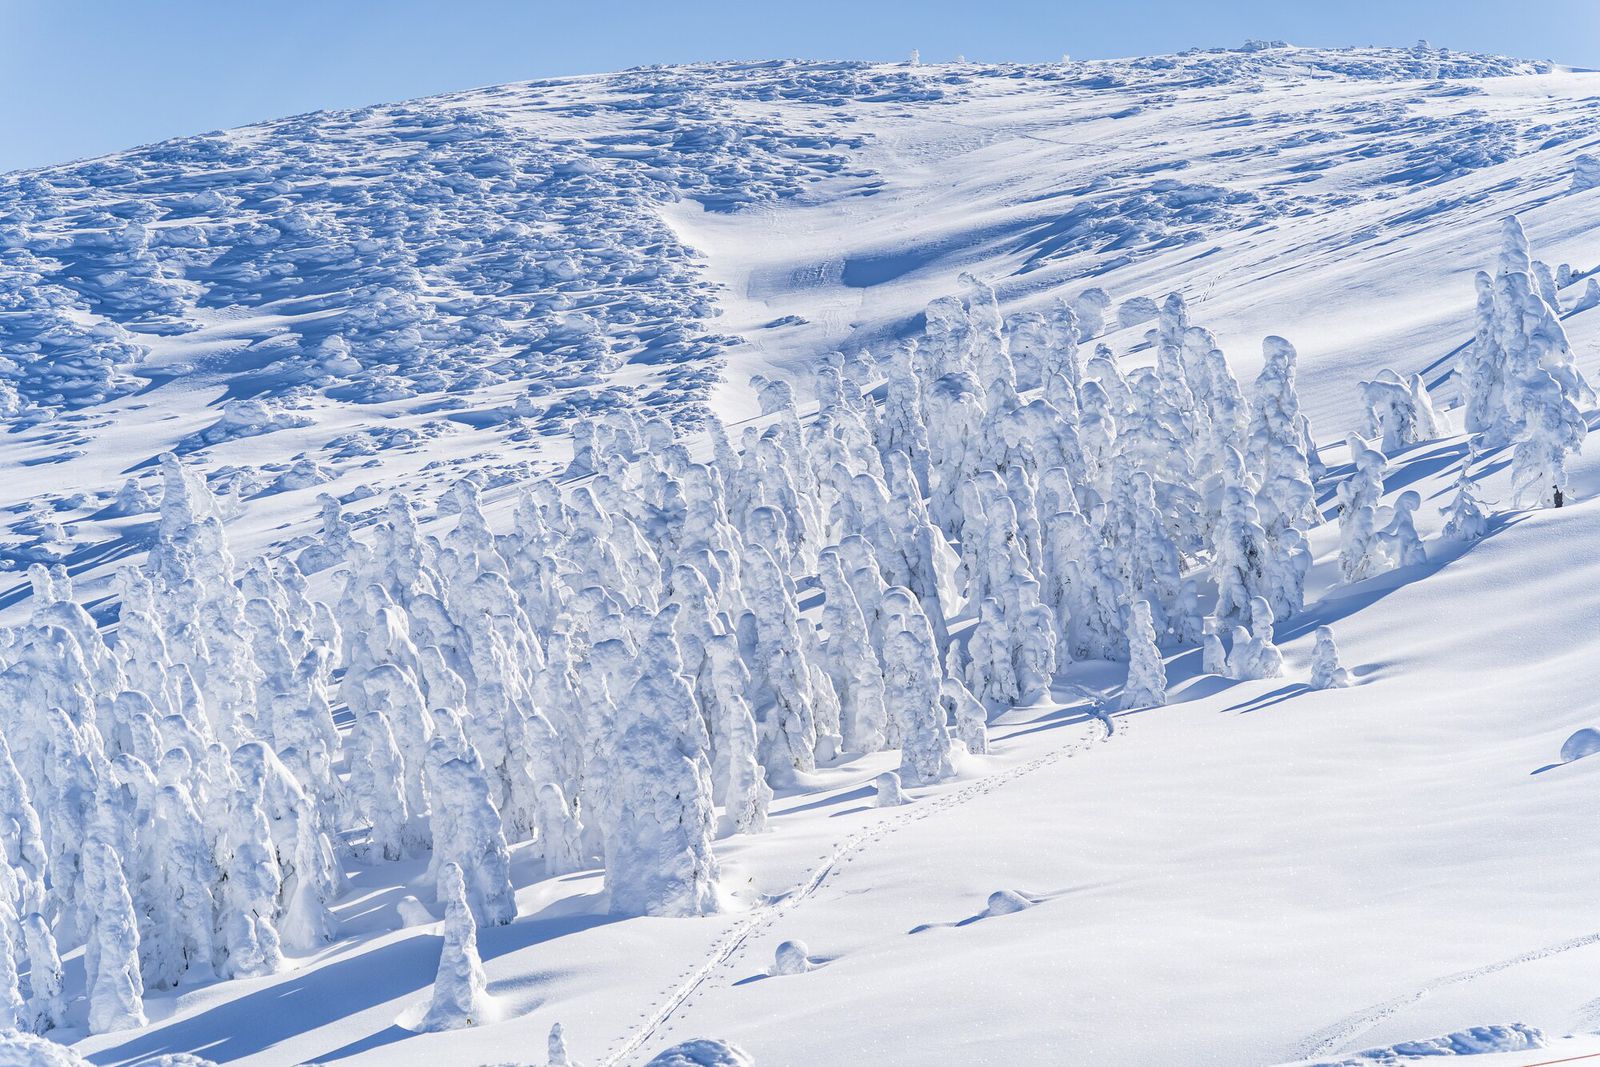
(731, 946)
(1337, 1035)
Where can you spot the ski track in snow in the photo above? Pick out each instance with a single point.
(730, 948)
(1328, 1041)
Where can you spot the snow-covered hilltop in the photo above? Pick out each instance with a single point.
(1033, 552)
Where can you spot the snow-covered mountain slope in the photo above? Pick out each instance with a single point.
(1255, 873)
(353, 301)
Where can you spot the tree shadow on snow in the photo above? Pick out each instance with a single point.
(1267, 700)
(325, 994)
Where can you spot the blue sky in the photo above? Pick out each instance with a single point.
(82, 78)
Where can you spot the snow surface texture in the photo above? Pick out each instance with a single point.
(392, 298)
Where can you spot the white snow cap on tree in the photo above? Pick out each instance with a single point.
(460, 989)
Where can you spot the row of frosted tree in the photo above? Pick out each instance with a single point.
(660, 638)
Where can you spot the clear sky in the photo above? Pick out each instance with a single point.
(79, 78)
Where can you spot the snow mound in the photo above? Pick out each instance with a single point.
(703, 1052)
(1007, 902)
(792, 957)
(1585, 742)
(1477, 1041)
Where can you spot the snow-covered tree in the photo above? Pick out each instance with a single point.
(1147, 675)
(911, 678)
(1254, 655)
(468, 831)
(849, 659)
(742, 780)
(115, 986)
(1360, 554)
(250, 897)
(1326, 673)
(1519, 342)
(1551, 428)
(1399, 538)
(1467, 517)
(659, 859)
(971, 718)
(888, 793)
(460, 989)
(1399, 413)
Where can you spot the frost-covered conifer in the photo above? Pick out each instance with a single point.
(849, 659)
(911, 693)
(1213, 658)
(47, 1007)
(13, 1009)
(1401, 544)
(1083, 589)
(115, 988)
(1254, 656)
(560, 835)
(1326, 673)
(1147, 675)
(1034, 644)
(971, 718)
(467, 831)
(790, 734)
(187, 879)
(1279, 451)
(307, 924)
(1551, 427)
(889, 794)
(1519, 335)
(1090, 308)
(250, 896)
(954, 407)
(335, 541)
(1466, 519)
(557, 1044)
(1240, 555)
(22, 848)
(1399, 412)
(741, 778)
(989, 668)
(1359, 545)
(377, 787)
(659, 859)
(460, 989)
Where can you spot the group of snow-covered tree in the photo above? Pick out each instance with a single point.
(660, 634)
(1519, 383)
